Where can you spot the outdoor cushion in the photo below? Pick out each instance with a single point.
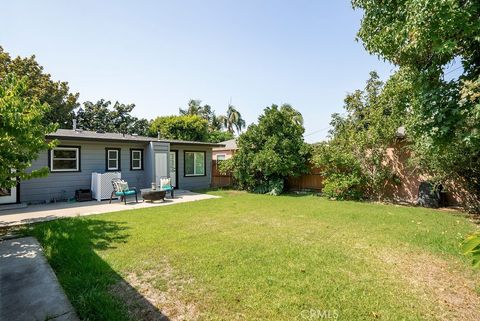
(123, 186)
(165, 184)
(125, 193)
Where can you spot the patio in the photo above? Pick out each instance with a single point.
(47, 212)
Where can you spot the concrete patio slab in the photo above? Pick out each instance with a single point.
(29, 289)
(47, 212)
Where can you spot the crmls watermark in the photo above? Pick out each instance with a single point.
(316, 314)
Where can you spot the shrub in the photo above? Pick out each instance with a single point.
(270, 151)
(343, 187)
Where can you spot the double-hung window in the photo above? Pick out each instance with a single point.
(195, 164)
(65, 159)
(113, 159)
(136, 159)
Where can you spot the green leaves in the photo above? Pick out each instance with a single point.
(39, 85)
(471, 246)
(118, 119)
(22, 131)
(188, 127)
(270, 151)
(355, 162)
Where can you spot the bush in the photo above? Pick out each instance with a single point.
(270, 151)
(343, 187)
(271, 187)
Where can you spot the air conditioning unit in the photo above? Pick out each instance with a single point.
(102, 187)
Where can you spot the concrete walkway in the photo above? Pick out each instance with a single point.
(29, 290)
(46, 212)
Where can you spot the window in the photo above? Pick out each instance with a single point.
(194, 163)
(112, 159)
(65, 159)
(221, 157)
(136, 159)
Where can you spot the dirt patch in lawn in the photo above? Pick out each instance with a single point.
(155, 295)
(447, 289)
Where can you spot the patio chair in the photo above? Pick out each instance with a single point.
(121, 189)
(166, 185)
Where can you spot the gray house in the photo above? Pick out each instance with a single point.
(141, 161)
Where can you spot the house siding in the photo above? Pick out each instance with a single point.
(92, 159)
(193, 182)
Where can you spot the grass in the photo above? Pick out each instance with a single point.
(257, 257)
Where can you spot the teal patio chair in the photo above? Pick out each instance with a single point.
(166, 185)
(121, 189)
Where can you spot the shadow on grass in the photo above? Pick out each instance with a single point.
(71, 247)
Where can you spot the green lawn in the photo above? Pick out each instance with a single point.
(257, 257)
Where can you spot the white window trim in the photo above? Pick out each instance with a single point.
(139, 159)
(77, 158)
(224, 155)
(194, 167)
(116, 168)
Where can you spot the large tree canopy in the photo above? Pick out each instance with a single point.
(22, 131)
(271, 151)
(354, 161)
(187, 127)
(431, 42)
(424, 35)
(41, 86)
(118, 119)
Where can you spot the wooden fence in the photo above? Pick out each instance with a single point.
(219, 180)
(311, 181)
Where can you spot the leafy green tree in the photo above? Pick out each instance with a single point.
(233, 120)
(22, 131)
(95, 116)
(424, 38)
(99, 117)
(217, 136)
(355, 161)
(271, 151)
(187, 127)
(194, 108)
(341, 170)
(41, 86)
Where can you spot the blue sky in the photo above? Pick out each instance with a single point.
(158, 55)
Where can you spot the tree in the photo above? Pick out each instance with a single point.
(41, 87)
(423, 38)
(271, 151)
(22, 131)
(99, 117)
(232, 120)
(355, 162)
(194, 108)
(217, 136)
(188, 127)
